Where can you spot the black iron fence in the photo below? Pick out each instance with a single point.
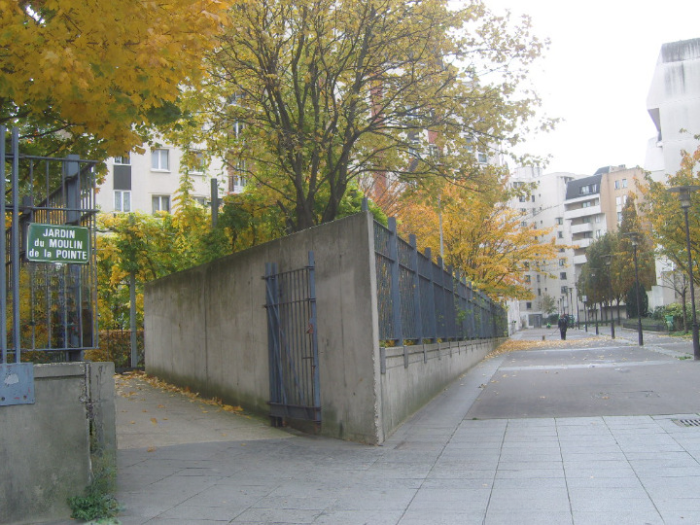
(420, 301)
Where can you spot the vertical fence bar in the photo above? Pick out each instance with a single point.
(395, 287)
(314, 336)
(417, 319)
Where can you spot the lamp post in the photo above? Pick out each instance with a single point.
(635, 242)
(684, 197)
(608, 262)
(578, 313)
(584, 300)
(595, 309)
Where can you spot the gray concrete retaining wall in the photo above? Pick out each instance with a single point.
(413, 375)
(45, 451)
(206, 328)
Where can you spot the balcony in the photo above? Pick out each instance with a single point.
(582, 212)
(579, 259)
(582, 243)
(581, 228)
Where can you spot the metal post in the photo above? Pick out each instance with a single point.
(608, 261)
(595, 311)
(639, 303)
(214, 202)
(696, 341)
(132, 319)
(3, 248)
(395, 283)
(15, 244)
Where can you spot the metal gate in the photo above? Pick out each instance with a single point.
(293, 344)
(48, 290)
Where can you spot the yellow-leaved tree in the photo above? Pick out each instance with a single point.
(100, 72)
(482, 237)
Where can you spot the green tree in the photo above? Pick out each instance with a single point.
(307, 96)
(667, 218)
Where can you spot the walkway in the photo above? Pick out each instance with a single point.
(584, 432)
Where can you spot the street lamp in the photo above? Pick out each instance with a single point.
(684, 197)
(584, 300)
(608, 262)
(634, 236)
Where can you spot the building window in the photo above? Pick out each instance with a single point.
(598, 234)
(597, 219)
(560, 221)
(523, 198)
(202, 201)
(562, 276)
(526, 264)
(539, 278)
(528, 306)
(527, 279)
(161, 203)
(562, 262)
(560, 235)
(564, 290)
(619, 217)
(533, 198)
(197, 163)
(124, 159)
(159, 160)
(617, 184)
(624, 183)
(122, 200)
(523, 224)
(539, 292)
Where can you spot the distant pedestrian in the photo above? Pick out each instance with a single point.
(563, 325)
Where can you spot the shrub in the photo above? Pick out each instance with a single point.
(115, 346)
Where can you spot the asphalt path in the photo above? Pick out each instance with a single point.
(592, 376)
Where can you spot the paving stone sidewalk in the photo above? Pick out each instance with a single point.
(470, 457)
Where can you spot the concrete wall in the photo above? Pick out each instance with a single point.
(45, 452)
(413, 375)
(206, 328)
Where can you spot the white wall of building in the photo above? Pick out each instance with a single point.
(673, 103)
(154, 179)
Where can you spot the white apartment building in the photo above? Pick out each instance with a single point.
(149, 182)
(544, 209)
(673, 103)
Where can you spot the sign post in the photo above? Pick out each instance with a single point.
(57, 243)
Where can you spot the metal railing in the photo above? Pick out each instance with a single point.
(420, 301)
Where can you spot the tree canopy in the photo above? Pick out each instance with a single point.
(483, 236)
(608, 274)
(93, 75)
(306, 96)
(667, 218)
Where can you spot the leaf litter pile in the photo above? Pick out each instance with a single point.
(127, 385)
(513, 345)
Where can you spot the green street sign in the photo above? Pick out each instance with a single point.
(56, 243)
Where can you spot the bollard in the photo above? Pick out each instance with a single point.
(543, 338)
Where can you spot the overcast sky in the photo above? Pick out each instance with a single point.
(597, 73)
